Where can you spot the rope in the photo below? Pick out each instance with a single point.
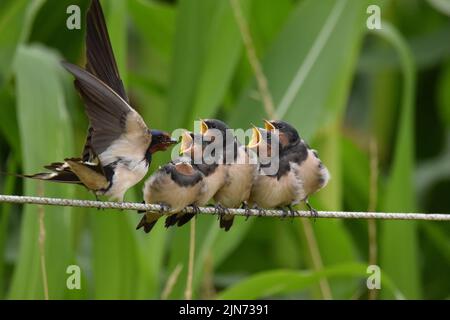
(212, 210)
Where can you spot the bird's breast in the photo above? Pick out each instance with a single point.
(239, 181)
(270, 192)
(313, 173)
(213, 183)
(160, 188)
(126, 175)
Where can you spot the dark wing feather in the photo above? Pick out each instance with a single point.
(100, 61)
(109, 115)
(100, 56)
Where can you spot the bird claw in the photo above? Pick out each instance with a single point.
(195, 208)
(163, 208)
(221, 210)
(291, 211)
(247, 210)
(312, 211)
(98, 199)
(285, 212)
(261, 211)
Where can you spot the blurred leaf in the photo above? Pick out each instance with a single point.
(114, 256)
(50, 28)
(444, 95)
(8, 127)
(226, 242)
(400, 252)
(428, 49)
(5, 213)
(355, 175)
(431, 171)
(279, 282)
(156, 23)
(116, 21)
(310, 65)
(16, 17)
(333, 239)
(202, 66)
(41, 114)
(442, 6)
(439, 239)
(267, 18)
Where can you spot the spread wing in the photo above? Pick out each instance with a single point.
(99, 53)
(112, 119)
(100, 61)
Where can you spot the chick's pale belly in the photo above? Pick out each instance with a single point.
(213, 182)
(161, 189)
(313, 174)
(239, 183)
(270, 192)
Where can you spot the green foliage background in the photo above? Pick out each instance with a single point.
(339, 83)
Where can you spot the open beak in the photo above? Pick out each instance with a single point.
(255, 139)
(186, 142)
(203, 127)
(268, 125)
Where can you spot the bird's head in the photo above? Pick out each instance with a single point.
(288, 135)
(212, 129)
(161, 141)
(263, 142)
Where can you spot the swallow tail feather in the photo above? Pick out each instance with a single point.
(226, 222)
(148, 221)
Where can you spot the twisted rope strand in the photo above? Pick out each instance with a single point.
(212, 210)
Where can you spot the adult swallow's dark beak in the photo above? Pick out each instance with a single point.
(160, 141)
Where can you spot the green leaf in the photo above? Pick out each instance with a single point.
(333, 239)
(278, 282)
(310, 65)
(53, 32)
(116, 19)
(442, 6)
(155, 22)
(16, 17)
(5, 215)
(399, 243)
(8, 127)
(444, 95)
(202, 66)
(45, 132)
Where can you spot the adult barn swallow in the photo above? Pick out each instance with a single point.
(119, 146)
(174, 186)
(241, 172)
(300, 172)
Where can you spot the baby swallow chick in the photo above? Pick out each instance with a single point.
(174, 186)
(298, 162)
(272, 189)
(195, 148)
(241, 171)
